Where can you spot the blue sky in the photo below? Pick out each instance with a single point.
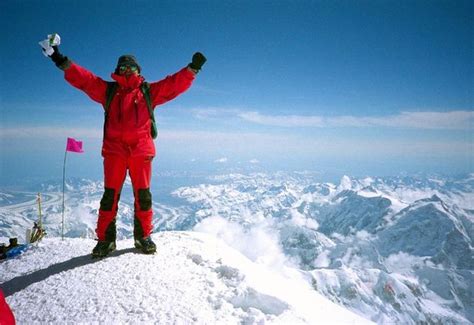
(341, 87)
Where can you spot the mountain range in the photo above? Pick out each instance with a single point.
(393, 249)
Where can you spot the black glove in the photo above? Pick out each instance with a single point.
(60, 60)
(198, 61)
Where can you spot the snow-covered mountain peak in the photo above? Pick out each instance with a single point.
(345, 183)
(430, 228)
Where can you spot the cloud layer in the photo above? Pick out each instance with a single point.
(452, 120)
(414, 120)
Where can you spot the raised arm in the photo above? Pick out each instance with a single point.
(80, 77)
(174, 85)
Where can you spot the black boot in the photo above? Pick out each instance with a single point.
(146, 245)
(103, 248)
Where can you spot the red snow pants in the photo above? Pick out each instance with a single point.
(115, 170)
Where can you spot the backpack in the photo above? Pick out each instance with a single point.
(145, 89)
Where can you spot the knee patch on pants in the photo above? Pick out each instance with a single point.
(107, 201)
(144, 199)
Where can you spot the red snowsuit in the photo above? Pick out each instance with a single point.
(127, 142)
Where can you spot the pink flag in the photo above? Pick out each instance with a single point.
(73, 145)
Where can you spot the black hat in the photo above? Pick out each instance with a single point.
(128, 60)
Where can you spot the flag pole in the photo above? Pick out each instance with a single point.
(40, 223)
(64, 182)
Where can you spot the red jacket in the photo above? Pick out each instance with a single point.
(127, 131)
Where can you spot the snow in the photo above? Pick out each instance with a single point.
(345, 184)
(193, 278)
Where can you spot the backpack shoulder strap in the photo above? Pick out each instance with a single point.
(109, 94)
(145, 88)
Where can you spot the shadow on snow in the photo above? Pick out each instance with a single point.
(21, 282)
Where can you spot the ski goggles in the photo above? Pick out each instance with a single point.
(124, 68)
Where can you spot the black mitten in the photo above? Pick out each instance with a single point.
(61, 61)
(198, 61)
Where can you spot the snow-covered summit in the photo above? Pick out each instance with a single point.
(193, 278)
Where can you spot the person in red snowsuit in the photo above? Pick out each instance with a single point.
(127, 144)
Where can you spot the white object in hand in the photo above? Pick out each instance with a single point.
(47, 44)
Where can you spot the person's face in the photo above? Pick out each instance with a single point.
(128, 70)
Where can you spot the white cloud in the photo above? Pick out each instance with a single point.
(254, 161)
(221, 160)
(260, 243)
(460, 119)
(416, 120)
(283, 120)
(214, 112)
